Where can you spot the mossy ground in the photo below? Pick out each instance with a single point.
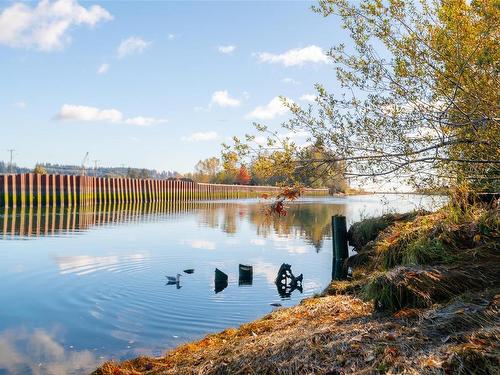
(423, 299)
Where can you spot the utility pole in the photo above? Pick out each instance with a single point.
(82, 168)
(11, 150)
(95, 167)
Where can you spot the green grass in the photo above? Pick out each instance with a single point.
(427, 258)
(425, 251)
(413, 248)
(386, 294)
(368, 229)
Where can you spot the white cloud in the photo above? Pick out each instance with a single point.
(290, 81)
(261, 140)
(226, 49)
(46, 26)
(132, 45)
(269, 111)
(297, 134)
(415, 105)
(296, 56)
(300, 137)
(143, 121)
(201, 137)
(103, 69)
(20, 105)
(171, 36)
(223, 99)
(84, 113)
(308, 98)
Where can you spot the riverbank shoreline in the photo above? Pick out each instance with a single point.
(329, 335)
(423, 299)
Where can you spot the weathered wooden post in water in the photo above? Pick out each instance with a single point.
(340, 249)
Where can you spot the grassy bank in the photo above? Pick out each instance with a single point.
(423, 299)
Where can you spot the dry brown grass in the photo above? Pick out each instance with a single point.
(340, 334)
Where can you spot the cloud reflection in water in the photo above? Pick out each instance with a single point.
(38, 352)
(85, 264)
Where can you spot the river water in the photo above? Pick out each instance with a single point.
(78, 288)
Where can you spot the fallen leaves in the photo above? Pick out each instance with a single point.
(431, 362)
(391, 351)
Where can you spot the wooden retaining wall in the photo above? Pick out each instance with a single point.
(21, 190)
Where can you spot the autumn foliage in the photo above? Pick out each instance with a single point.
(243, 177)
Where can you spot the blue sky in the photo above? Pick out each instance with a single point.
(152, 84)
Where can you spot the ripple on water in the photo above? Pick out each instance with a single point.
(103, 288)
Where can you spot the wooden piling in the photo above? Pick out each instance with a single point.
(29, 189)
(86, 191)
(155, 191)
(20, 192)
(340, 248)
(4, 191)
(124, 190)
(339, 230)
(69, 190)
(134, 192)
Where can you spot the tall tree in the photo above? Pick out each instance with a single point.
(39, 169)
(417, 94)
(467, 37)
(329, 174)
(230, 167)
(207, 169)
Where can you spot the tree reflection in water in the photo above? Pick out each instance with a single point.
(310, 221)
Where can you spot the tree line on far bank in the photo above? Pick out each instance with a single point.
(274, 168)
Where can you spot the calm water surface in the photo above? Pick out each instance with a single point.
(77, 288)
